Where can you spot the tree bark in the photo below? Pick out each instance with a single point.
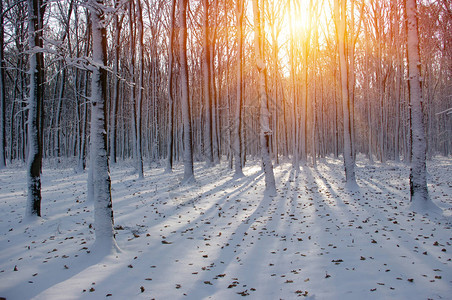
(2, 93)
(36, 9)
(419, 196)
(295, 127)
(265, 131)
(103, 212)
(115, 98)
(139, 87)
(207, 86)
(349, 160)
(170, 133)
(239, 97)
(185, 95)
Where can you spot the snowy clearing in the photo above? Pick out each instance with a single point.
(220, 238)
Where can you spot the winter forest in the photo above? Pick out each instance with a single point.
(219, 149)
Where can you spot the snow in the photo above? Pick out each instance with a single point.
(221, 238)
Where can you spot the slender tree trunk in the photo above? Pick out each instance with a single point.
(367, 97)
(185, 101)
(295, 127)
(58, 112)
(103, 212)
(239, 98)
(265, 131)
(83, 142)
(419, 196)
(36, 10)
(115, 98)
(349, 160)
(2, 94)
(170, 133)
(133, 104)
(275, 78)
(139, 87)
(207, 87)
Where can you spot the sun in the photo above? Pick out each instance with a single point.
(299, 19)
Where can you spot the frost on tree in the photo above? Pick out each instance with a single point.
(103, 212)
(420, 200)
(36, 10)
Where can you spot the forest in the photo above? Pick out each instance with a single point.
(325, 126)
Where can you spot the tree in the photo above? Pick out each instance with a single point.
(293, 94)
(265, 131)
(135, 86)
(340, 15)
(139, 87)
(207, 87)
(169, 158)
(36, 9)
(115, 96)
(239, 101)
(2, 92)
(419, 197)
(185, 101)
(103, 212)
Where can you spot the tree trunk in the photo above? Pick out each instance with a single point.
(139, 87)
(207, 87)
(115, 98)
(2, 94)
(36, 10)
(185, 101)
(170, 133)
(265, 131)
(103, 212)
(239, 99)
(349, 160)
(295, 140)
(420, 200)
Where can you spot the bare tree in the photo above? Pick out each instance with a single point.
(103, 212)
(2, 92)
(185, 101)
(239, 99)
(116, 81)
(36, 9)
(207, 87)
(170, 134)
(265, 131)
(340, 13)
(419, 197)
(139, 87)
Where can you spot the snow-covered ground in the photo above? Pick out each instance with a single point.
(220, 238)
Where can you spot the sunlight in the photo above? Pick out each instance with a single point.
(300, 20)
